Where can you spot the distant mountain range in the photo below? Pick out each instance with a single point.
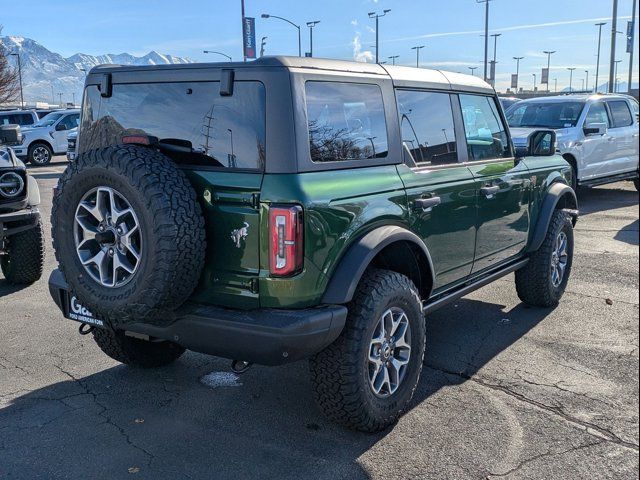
(46, 74)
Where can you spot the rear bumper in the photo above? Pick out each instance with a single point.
(16, 222)
(265, 336)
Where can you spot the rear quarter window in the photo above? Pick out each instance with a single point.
(192, 122)
(346, 121)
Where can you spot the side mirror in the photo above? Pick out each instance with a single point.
(595, 129)
(60, 127)
(541, 143)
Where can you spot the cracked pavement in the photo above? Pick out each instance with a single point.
(507, 391)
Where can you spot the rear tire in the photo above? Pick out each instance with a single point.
(136, 352)
(343, 375)
(24, 261)
(536, 282)
(40, 154)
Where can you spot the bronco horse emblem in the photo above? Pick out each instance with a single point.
(240, 234)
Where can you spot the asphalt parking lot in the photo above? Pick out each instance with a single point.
(507, 391)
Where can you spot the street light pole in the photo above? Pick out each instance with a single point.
(311, 25)
(571, 69)
(218, 53)
(266, 15)
(17, 55)
(633, 29)
(555, 85)
(517, 59)
(263, 43)
(599, 25)
(615, 75)
(376, 16)
(486, 34)
(495, 51)
(548, 53)
(587, 81)
(417, 48)
(534, 82)
(614, 31)
(393, 59)
(472, 70)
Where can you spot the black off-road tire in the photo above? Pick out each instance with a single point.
(136, 352)
(340, 372)
(24, 261)
(171, 225)
(32, 150)
(533, 281)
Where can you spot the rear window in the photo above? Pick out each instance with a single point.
(346, 121)
(192, 123)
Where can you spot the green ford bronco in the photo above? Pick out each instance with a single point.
(294, 208)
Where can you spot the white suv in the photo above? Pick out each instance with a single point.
(47, 137)
(597, 134)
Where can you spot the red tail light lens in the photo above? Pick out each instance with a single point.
(286, 234)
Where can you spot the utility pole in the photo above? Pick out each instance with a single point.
(534, 82)
(311, 25)
(376, 16)
(486, 35)
(17, 55)
(393, 59)
(615, 75)
(599, 25)
(517, 59)
(495, 51)
(555, 85)
(614, 31)
(263, 43)
(571, 69)
(632, 42)
(587, 81)
(472, 70)
(548, 54)
(417, 48)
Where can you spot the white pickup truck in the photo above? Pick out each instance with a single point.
(597, 134)
(47, 137)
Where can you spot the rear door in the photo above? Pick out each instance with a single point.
(598, 150)
(502, 184)
(624, 137)
(440, 189)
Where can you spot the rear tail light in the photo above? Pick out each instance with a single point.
(286, 233)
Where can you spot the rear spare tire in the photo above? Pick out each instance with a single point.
(128, 234)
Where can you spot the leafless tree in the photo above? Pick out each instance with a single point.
(9, 86)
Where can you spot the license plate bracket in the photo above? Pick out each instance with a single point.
(74, 310)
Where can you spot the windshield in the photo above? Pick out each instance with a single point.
(544, 114)
(48, 120)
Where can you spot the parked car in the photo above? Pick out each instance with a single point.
(508, 101)
(45, 111)
(47, 137)
(71, 144)
(294, 208)
(21, 233)
(597, 134)
(18, 117)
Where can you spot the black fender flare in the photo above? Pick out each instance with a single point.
(556, 192)
(352, 265)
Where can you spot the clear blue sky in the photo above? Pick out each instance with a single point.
(450, 29)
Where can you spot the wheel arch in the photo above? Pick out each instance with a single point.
(35, 141)
(390, 247)
(559, 196)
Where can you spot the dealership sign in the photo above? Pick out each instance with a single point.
(249, 37)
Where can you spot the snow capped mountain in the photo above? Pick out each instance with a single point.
(46, 74)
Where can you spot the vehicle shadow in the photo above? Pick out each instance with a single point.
(6, 288)
(167, 424)
(595, 200)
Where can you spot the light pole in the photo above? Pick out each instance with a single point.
(615, 75)
(60, 96)
(472, 70)
(417, 48)
(599, 25)
(571, 69)
(311, 25)
(486, 34)
(263, 43)
(548, 53)
(587, 80)
(517, 59)
(17, 55)
(614, 31)
(266, 15)
(633, 21)
(376, 16)
(555, 85)
(218, 53)
(393, 59)
(582, 84)
(534, 82)
(495, 51)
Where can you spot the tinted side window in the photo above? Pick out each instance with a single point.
(191, 121)
(426, 124)
(346, 121)
(620, 113)
(486, 134)
(597, 114)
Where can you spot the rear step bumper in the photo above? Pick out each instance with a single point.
(266, 336)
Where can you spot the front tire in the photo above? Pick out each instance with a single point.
(350, 382)
(24, 260)
(40, 154)
(136, 352)
(542, 282)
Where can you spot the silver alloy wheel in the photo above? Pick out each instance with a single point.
(107, 237)
(559, 259)
(389, 352)
(40, 155)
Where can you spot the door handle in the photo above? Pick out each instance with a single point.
(427, 204)
(489, 192)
